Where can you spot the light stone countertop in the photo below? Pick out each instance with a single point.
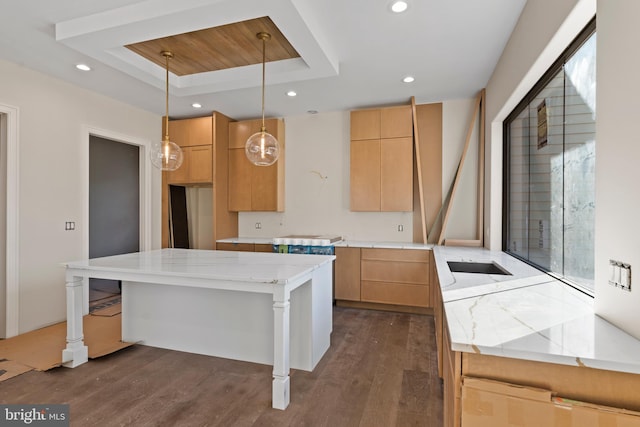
(528, 315)
(260, 267)
(254, 240)
(382, 245)
(342, 243)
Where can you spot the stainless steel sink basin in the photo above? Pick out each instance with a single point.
(476, 267)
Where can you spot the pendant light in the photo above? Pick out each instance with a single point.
(166, 155)
(262, 148)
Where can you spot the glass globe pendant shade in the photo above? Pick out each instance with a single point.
(166, 155)
(262, 149)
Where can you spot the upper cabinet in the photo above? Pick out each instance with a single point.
(255, 188)
(194, 136)
(382, 159)
(205, 145)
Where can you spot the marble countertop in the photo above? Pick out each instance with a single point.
(254, 240)
(342, 243)
(382, 245)
(260, 267)
(527, 315)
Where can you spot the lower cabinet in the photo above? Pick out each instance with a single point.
(398, 277)
(347, 274)
(395, 276)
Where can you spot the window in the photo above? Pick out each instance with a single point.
(549, 181)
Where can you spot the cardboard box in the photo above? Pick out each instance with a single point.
(487, 403)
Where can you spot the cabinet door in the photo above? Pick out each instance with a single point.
(347, 276)
(200, 163)
(396, 174)
(181, 175)
(255, 188)
(365, 175)
(196, 166)
(396, 122)
(365, 124)
(239, 181)
(190, 132)
(239, 132)
(264, 182)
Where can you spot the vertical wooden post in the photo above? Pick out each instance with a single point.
(416, 142)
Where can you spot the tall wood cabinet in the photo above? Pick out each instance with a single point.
(382, 159)
(255, 188)
(205, 145)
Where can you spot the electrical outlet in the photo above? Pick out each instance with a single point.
(400, 227)
(258, 225)
(69, 225)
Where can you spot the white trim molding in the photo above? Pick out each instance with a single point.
(145, 184)
(12, 222)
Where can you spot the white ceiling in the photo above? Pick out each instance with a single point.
(354, 53)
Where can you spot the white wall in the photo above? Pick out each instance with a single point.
(53, 117)
(317, 183)
(617, 159)
(456, 118)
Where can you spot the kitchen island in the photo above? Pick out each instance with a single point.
(257, 307)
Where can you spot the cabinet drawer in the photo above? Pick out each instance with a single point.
(395, 293)
(395, 271)
(263, 247)
(243, 247)
(407, 255)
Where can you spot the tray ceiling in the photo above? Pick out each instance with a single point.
(212, 49)
(350, 54)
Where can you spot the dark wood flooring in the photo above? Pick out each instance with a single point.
(381, 371)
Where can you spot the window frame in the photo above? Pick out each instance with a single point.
(541, 84)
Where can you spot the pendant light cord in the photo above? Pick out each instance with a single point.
(264, 59)
(167, 55)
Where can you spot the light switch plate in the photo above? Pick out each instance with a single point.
(620, 274)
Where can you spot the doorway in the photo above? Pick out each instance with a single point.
(3, 222)
(9, 300)
(114, 208)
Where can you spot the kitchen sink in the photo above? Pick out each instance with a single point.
(476, 267)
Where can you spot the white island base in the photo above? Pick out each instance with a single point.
(272, 309)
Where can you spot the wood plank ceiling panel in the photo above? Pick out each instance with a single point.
(218, 48)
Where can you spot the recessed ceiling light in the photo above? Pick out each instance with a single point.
(196, 105)
(291, 93)
(408, 79)
(399, 6)
(83, 67)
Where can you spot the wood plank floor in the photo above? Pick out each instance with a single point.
(381, 370)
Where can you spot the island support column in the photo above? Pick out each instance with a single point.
(76, 353)
(281, 346)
